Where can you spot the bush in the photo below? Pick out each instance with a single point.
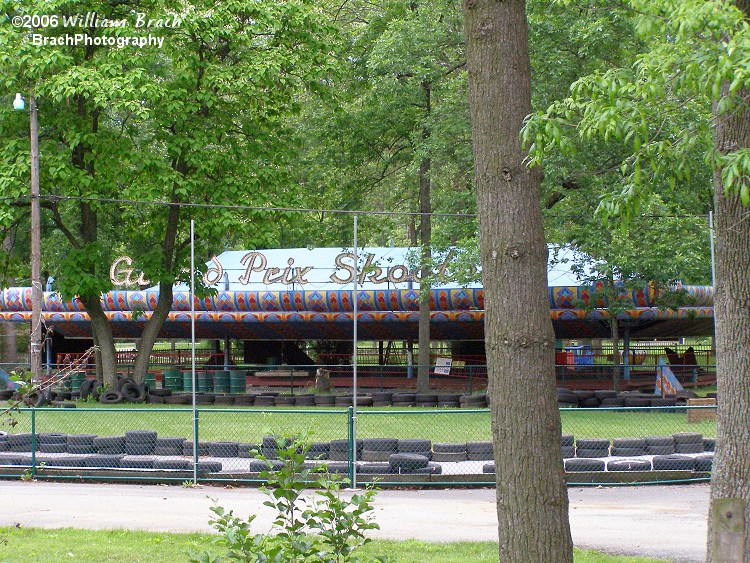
(321, 527)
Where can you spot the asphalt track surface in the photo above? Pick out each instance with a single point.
(660, 521)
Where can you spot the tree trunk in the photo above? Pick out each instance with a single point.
(151, 331)
(425, 235)
(615, 333)
(532, 501)
(164, 304)
(731, 466)
(103, 338)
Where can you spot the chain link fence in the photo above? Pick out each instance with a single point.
(393, 445)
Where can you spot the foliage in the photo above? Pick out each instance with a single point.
(23, 544)
(328, 528)
(657, 109)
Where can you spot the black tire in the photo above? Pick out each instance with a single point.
(170, 442)
(687, 438)
(605, 394)
(704, 463)
(137, 462)
(139, 449)
(629, 465)
(110, 397)
(208, 467)
(637, 402)
(449, 457)
(173, 464)
(659, 440)
(591, 403)
(488, 468)
(248, 451)
(414, 446)
(375, 455)
(167, 451)
(627, 452)
(53, 448)
(155, 399)
(660, 450)
(86, 388)
(673, 463)
(81, 439)
(709, 444)
(305, 400)
(567, 440)
(131, 393)
(613, 402)
(581, 465)
(51, 438)
(374, 469)
(96, 390)
(630, 443)
(568, 452)
(110, 443)
(90, 449)
(690, 448)
(223, 449)
(122, 381)
(160, 392)
(592, 443)
(449, 448)
(407, 462)
(320, 400)
(589, 453)
(319, 450)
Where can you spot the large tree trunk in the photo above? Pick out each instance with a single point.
(614, 330)
(425, 235)
(151, 331)
(100, 327)
(532, 501)
(166, 291)
(731, 467)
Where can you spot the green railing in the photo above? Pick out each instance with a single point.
(416, 446)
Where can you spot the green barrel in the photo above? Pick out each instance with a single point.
(237, 381)
(200, 381)
(77, 379)
(151, 380)
(172, 379)
(221, 381)
(208, 381)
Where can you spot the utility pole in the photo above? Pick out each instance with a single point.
(35, 346)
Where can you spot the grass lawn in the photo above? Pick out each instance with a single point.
(250, 425)
(26, 545)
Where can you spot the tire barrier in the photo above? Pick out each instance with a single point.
(567, 398)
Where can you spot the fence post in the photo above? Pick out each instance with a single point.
(471, 379)
(352, 445)
(291, 380)
(195, 445)
(33, 442)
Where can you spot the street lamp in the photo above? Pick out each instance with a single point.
(35, 346)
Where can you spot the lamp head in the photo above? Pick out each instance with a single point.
(18, 103)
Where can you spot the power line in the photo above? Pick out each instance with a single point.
(241, 207)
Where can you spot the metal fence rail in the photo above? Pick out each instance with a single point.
(394, 446)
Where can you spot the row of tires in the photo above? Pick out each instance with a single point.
(146, 442)
(567, 398)
(678, 443)
(701, 463)
(373, 399)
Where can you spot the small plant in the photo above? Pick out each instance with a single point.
(27, 475)
(321, 527)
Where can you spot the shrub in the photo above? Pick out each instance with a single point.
(321, 527)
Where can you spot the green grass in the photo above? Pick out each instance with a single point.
(26, 545)
(250, 425)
